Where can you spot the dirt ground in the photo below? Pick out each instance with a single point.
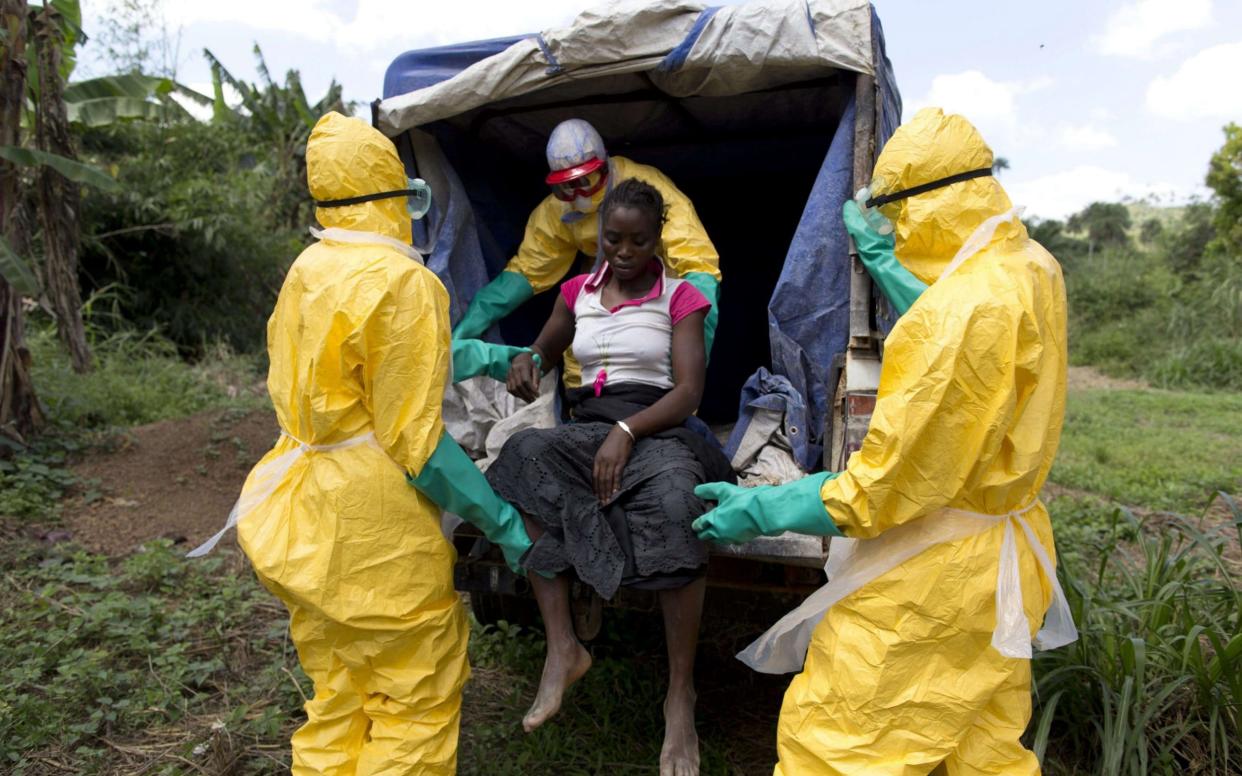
(1084, 378)
(176, 479)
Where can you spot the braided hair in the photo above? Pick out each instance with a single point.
(638, 194)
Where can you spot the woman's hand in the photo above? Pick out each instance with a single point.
(523, 379)
(610, 462)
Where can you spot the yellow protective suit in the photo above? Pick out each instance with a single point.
(901, 674)
(359, 344)
(550, 245)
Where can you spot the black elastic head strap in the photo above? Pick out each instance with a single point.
(884, 199)
(367, 198)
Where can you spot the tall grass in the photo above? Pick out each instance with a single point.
(139, 376)
(1154, 683)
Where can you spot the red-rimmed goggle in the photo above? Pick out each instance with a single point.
(585, 185)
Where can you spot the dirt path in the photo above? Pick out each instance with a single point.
(1085, 378)
(176, 479)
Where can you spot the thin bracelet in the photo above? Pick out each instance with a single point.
(626, 428)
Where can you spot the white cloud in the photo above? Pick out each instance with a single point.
(1136, 29)
(308, 18)
(992, 106)
(1201, 88)
(1087, 137)
(1060, 194)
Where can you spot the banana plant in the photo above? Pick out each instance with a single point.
(280, 116)
(98, 102)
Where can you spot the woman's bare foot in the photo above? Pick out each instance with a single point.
(561, 668)
(680, 754)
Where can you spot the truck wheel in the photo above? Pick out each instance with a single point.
(491, 608)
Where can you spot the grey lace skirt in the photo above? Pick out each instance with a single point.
(641, 537)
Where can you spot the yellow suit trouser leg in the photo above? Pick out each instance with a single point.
(413, 700)
(901, 675)
(386, 702)
(336, 727)
(992, 745)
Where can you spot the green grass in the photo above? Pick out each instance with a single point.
(152, 661)
(138, 378)
(1154, 682)
(1154, 449)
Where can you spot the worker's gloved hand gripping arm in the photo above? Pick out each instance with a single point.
(451, 479)
(406, 369)
(472, 357)
(741, 514)
(875, 251)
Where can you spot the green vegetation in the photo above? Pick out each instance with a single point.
(150, 664)
(147, 662)
(187, 244)
(1157, 449)
(138, 379)
(1154, 682)
(1169, 309)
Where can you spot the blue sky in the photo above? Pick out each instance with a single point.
(1087, 100)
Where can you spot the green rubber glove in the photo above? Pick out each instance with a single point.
(741, 514)
(494, 301)
(875, 250)
(451, 479)
(472, 357)
(709, 287)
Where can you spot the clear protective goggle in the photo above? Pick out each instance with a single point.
(586, 186)
(870, 203)
(417, 194)
(878, 222)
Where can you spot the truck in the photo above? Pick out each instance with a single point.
(769, 115)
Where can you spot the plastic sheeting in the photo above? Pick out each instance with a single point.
(735, 49)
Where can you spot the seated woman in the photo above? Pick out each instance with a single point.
(610, 495)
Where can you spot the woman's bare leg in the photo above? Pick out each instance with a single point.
(566, 660)
(683, 610)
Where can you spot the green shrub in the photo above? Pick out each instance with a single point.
(138, 378)
(190, 237)
(1214, 362)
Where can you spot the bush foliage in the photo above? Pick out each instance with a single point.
(188, 242)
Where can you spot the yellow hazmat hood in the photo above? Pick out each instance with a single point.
(931, 227)
(346, 157)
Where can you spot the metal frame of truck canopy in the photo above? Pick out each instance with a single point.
(768, 114)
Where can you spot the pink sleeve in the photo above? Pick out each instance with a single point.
(686, 299)
(571, 288)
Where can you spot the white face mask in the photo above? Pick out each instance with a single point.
(583, 204)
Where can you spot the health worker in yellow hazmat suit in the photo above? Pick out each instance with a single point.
(566, 222)
(359, 348)
(919, 645)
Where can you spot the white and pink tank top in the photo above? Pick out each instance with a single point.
(633, 341)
